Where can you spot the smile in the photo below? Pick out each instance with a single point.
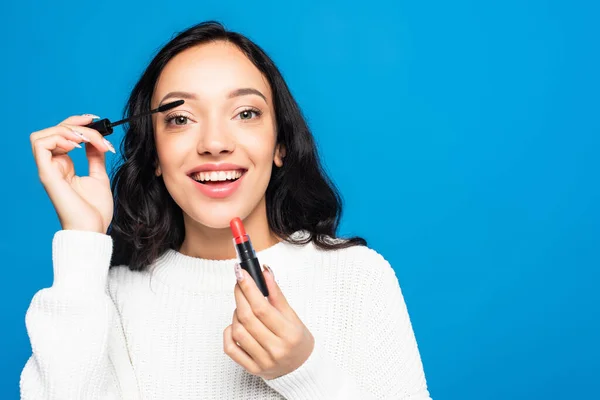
(212, 177)
(218, 184)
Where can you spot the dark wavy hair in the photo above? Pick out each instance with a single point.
(300, 196)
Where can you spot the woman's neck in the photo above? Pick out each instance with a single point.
(216, 244)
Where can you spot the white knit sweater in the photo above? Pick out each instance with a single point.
(101, 333)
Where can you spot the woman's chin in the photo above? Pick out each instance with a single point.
(215, 218)
(218, 214)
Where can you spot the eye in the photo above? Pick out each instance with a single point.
(179, 119)
(249, 113)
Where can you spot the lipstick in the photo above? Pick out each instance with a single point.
(246, 254)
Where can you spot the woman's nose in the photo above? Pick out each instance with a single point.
(215, 140)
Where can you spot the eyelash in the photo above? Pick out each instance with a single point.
(251, 109)
(172, 117)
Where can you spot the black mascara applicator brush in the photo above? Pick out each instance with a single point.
(105, 127)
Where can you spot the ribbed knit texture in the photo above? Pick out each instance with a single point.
(158, 334)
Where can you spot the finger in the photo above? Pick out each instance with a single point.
(237, 354)
(246, 341)
(61, 130)
(96, 162)
(95, 150)
(251, 302)
(247, 316)
(75, 144)
(276, 297)
(80, 119)
(75, 120)
(43, 151)
(94, 137)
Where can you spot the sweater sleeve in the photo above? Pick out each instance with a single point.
(388, 364)
(78, 345)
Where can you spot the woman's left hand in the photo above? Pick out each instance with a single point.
(266, 336)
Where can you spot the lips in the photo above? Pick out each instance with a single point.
(217, 181)
(216, 167)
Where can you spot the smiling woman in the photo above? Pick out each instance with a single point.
(148, 301)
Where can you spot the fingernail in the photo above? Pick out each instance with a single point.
(238, 272)
(81, 135)
(270, 270)
(110, 146)
(91, 115)
(75, 144)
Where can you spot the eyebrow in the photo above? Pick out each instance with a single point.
(192, 96)
(179, 95)
(245, 92)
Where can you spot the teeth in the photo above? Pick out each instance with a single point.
(216, 176)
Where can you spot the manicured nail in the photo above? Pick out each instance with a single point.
(91, 115)
(270, 270)
(110, 146)
(81, 135)
(238, 272)
(75, 144)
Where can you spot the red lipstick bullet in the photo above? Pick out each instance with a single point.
(246, 254)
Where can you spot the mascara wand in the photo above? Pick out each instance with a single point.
(105, 127)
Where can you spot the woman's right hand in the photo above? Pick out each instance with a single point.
(81, 202)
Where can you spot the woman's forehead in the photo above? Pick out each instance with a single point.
(210, 70)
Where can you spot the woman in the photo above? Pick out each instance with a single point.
(170, 319)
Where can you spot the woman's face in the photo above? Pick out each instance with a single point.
(215, 151)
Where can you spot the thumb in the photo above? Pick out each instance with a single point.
(96, 161)
(276, 297)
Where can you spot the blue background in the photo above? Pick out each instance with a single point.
(464, 137)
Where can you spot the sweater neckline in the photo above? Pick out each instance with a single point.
(200, 275)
